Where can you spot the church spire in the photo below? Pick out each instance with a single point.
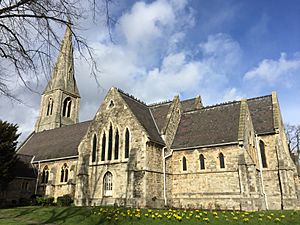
(60, 100)
(63, 72)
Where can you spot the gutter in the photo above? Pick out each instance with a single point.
(260, 172)
(55, 159)
(206, 146)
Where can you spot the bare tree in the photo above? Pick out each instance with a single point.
(293, 138)
(30, 36)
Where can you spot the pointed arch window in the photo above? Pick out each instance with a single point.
(107, 184)
(202, 162)
(94, 148)
(127, 138)
(45, 175)
(221, 159)
(103, 147)
(117, 145)
(263, 154)
(50, 107)
(67, 107)
(184, 164)
(64, 173)
(110, 139)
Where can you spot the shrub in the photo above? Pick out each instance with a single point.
(65, 200)
(44, 201)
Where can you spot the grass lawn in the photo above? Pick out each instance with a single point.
(104, 215)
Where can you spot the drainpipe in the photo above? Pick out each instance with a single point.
(37, 179)
(164, 168)
(260, 172)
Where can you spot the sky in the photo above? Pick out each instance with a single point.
(221, 50)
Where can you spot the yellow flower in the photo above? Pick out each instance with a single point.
(246, 220)
(277, 220)
(235, 218)
(206, 219)
(260, 219)
(282, 216)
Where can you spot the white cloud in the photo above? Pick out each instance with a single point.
(275, 71)
(232, 94)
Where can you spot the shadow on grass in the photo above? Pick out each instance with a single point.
(73, 215)
(18, 212)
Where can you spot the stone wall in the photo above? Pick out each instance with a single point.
(55, 188)
(19, 190)
(128, 174)
(213, 187)
(279, 178)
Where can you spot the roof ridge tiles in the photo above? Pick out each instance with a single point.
(213, 106)
(131, 97)
(160, 103)
(259, 97)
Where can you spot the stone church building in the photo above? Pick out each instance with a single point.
(178, 153)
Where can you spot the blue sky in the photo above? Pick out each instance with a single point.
(221, 50)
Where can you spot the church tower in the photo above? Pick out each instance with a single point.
(60, 100)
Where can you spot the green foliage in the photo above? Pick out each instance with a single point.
(65, 200)
(45, 201)
(8, 158)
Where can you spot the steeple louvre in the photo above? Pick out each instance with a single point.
(60, 99)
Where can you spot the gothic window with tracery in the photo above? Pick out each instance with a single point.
(222, 161)
(184, 164)
(107, 184)
(67, 107)
(117, 144)
(263, 154)
(202, 162)
(127, 139)
(64, 173)
(94, 148)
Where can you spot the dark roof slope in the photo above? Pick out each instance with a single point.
(188, 104)
(207, 126)
(261, 110)
(55, 143)
(160, 112)
(143, 115)
(23, 166)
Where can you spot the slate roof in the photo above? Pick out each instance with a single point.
(188, 105)
(210, 125)
(160, 112)
(55, 143)
(23, 167)
(143, 115)
(261, 110)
